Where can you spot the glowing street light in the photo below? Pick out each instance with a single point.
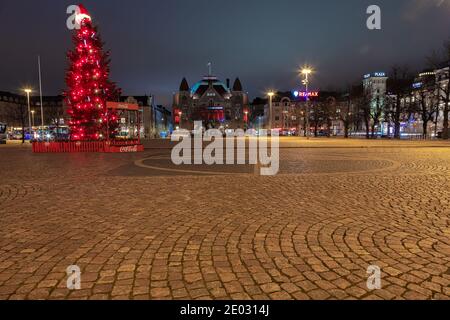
(179, 122)
(28, 91)
(32, 114)
(246, 117)
(270, 94)
(306, 71)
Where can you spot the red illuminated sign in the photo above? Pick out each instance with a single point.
(122, 106)
(309, 94)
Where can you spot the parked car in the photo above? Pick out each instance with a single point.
(17, 135)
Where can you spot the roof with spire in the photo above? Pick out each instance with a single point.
(209, 82)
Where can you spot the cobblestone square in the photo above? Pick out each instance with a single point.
(140, 228)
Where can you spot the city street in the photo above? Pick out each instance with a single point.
(140, 227)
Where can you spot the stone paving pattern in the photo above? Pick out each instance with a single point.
(308, 233)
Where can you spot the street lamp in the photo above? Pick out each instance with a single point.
(306, 71)
(270, 94)
(246, 117)
(28, 91)
(180, 114)
(32, 114)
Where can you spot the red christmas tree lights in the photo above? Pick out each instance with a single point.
(88, 85)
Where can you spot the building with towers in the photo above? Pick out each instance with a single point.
(215, 103)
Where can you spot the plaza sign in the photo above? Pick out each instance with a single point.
(375, 75)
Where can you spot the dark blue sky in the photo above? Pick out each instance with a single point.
(155, 43)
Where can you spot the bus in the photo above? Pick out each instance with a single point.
(2, 133)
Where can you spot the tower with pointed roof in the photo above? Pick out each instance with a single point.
(237, 86)
(184, 86)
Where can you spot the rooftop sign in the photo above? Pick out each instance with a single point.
(375, 75)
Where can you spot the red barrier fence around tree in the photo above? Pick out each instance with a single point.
(115, 146)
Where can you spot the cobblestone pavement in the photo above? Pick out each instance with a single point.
(309, 233)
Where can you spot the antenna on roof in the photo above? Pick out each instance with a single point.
(209, 69)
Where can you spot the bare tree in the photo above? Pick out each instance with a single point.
(396, 108)
(426, 103)
(330, 113)
(19, 114)
(360, 100)
(364, 106)
(317, 117)
(376, 112)
(441, 60)
(347, 114)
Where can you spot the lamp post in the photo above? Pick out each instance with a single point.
(32, 115)
(306, 72)
(270, 94)
(40, 92)
(28, 91)
(180, 114)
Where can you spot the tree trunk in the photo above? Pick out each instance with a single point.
(346, 127)
(446, 110)
(397, 130)
(425, 129)
(305, 133)
(445, 124)
(367, 129)
(397, 115)
(23, 131)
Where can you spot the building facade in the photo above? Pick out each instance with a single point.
(217, 104)
(293, 114)
(375, 90)
(429, 93)
(14, 112)
(375, 85)
(155, 119)
(443, 94)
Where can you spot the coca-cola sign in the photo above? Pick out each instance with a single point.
(128, 149)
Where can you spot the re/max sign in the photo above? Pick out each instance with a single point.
(304, 94)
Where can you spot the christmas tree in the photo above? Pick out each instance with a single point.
(88, 85)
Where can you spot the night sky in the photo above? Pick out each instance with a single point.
(155, 43)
